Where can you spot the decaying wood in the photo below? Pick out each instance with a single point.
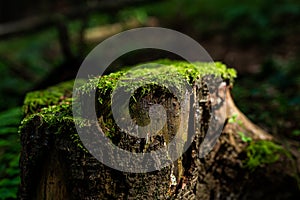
(246, 125)
(53, 163)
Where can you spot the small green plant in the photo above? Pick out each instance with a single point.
(233, 119)
(9, 153)
(296, 132)
(244, 137)
(263, 152)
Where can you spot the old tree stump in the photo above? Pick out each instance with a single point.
(245, 162)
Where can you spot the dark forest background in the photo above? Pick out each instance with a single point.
(44, 42)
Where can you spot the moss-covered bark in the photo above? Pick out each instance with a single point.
(56, 165)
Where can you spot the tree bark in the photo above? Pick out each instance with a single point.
(55, 165)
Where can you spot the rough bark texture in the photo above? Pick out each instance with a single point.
(55, 165)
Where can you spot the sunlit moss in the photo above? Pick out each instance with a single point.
(36, 100)
(167, 72)
(53, 106)
(263, 152)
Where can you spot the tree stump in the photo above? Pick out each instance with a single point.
(244, 163)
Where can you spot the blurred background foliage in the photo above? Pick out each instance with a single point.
(258, 38)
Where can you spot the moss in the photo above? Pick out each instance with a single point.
(263, 152)
(34, 101)
(53, 105)
(52, 117)
(167, 72)
(193, 70)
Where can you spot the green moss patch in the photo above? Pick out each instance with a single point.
(35, 101)
(263, 152)
(170, 73)
(53, 105)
